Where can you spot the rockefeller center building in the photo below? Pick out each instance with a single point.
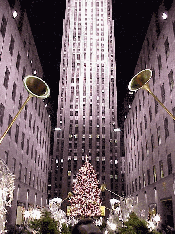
(25, 148)
(149, 131)
(87, 103)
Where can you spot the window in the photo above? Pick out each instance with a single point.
(145, 119)
(27, 150)
(167, 48)
(154, 174)
(150, 113)
(171, 80)
(17, 133)
(153, 75)
(158, 136)
(20, 169)
(156, 106)
(22, 141)
(135, 184)
(152, 142)
(159, 63)
(169, 162)
(142, 154)
(30, 119)
(141, 128)
(6, 157)
(2, 108)
(147, 149)
(23, 73)
(18, 61)
(20, 101)
(25, 175)
(140, 184)
(144, 182)
(14, 91)
(30, 174)
(11, 47)
(3, 26)
(25, 112)
(32, 152)
(166, 128)
(162, 93)
(161, 169)
(6, 78)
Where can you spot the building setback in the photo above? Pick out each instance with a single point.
(25, 149)
(87, 103)
(149, 131)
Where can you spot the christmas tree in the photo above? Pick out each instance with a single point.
(85, 201)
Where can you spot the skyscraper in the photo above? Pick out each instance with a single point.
(87, 103)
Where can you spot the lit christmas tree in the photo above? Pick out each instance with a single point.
(85, 201)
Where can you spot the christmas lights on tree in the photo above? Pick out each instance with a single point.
(85, 201)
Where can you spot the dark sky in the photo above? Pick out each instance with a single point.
(131, 19)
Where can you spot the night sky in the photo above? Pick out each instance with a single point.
(131, 19)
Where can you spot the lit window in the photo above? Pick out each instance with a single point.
(116, 161)
(15, 14)
(69, 173)
(164, 16)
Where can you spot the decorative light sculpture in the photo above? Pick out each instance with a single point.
(6, 192)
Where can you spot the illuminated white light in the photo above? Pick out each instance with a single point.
(151, 225)
(57, 129)
(117, 130)
(164, 16)
(15, 14)
(157, 218)
(34, 72)
(113, 226)
(46, 105)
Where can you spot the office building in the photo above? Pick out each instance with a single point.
(25, 148)
(149, 131)
(87, 103)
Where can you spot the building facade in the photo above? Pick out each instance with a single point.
(25, 149)
(148, 130)
(87, 103)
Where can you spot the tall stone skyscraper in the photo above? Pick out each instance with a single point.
(87, 103)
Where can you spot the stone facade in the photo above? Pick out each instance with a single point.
(149, 131)
(25, 149)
